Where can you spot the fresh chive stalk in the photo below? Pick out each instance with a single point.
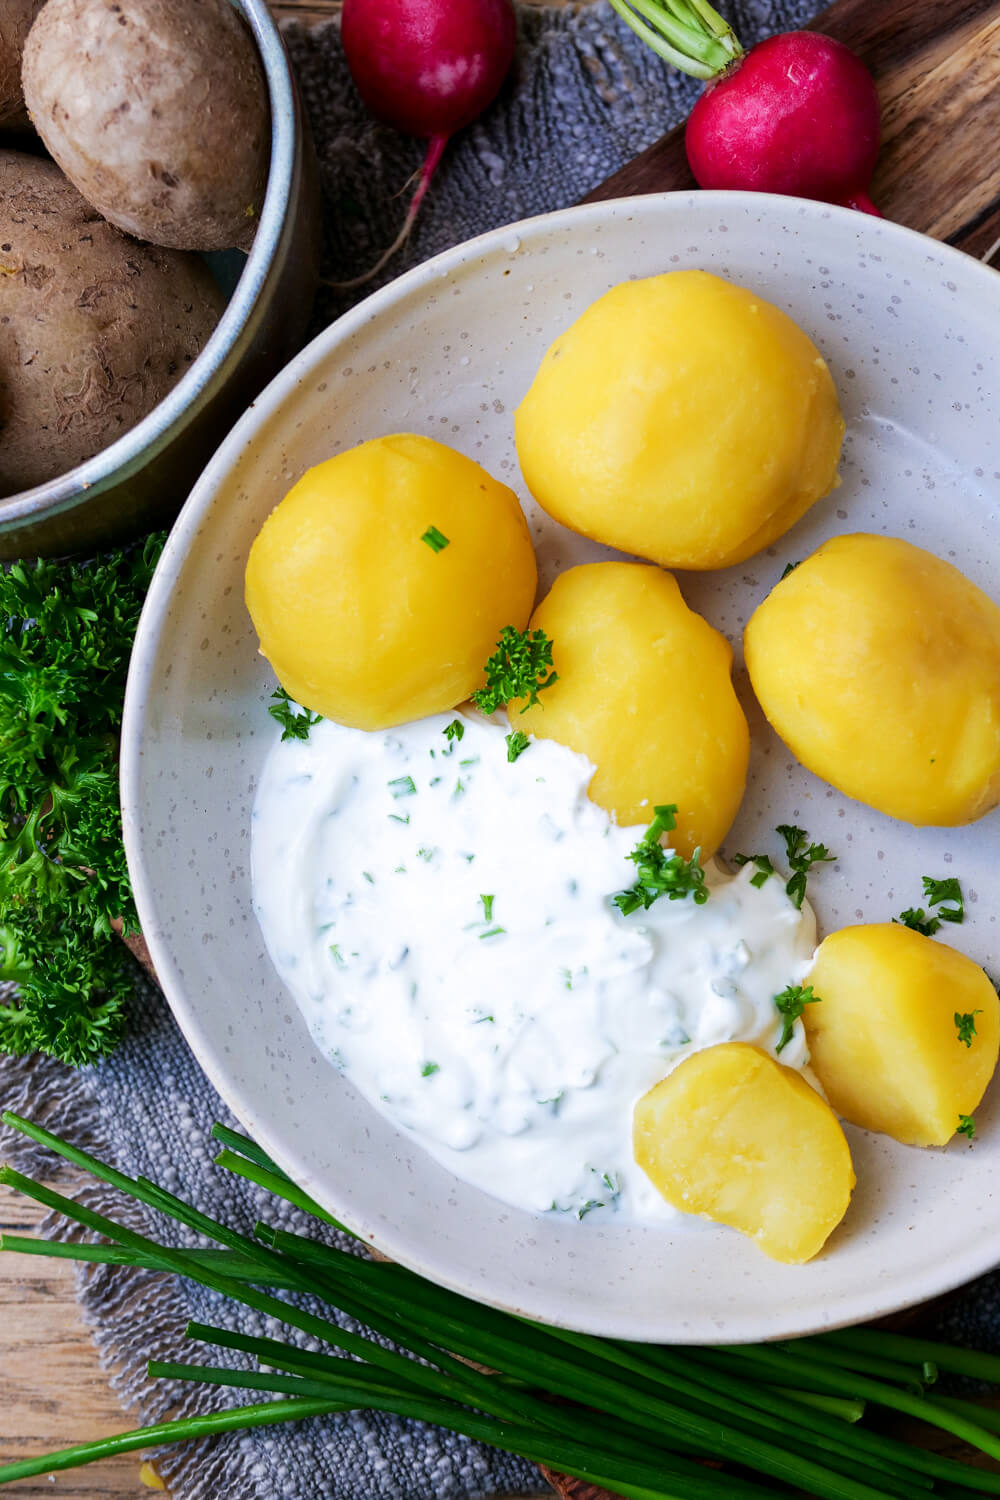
(634, 1419)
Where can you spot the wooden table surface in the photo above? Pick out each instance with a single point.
(52, 1390)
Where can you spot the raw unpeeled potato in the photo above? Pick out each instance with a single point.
(883, 1039)
(644, 691)
(681, 418)
(735, 1137)
(16, 17)
(879, 666)
(157, 111)
(363, 620)
(94, 329)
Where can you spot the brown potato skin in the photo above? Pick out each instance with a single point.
(94, 329)
(157, 111)
(16, 17)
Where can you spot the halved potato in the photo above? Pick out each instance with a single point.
(883, 1040)
(735, 1137)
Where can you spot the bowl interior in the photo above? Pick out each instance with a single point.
(448, 351)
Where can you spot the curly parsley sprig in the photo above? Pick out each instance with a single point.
(936, 892)
(660, 872)
(295, 721)
(520, 667)
(801, 856)
(67, 631)
(790, 1004)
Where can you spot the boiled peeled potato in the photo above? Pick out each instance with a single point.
(644, 691)
(735, 1137)
(883, 1039)
(878, 664)
(379, 585)
(681, 418)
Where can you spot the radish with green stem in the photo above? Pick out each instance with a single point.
(797, 114)
(429, 68)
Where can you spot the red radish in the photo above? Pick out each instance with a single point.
(428, 67)
(797, 114)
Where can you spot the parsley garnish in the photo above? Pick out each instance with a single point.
(295, 722)
(966, 1025)
(660, 873)
(429, 1069)
(916, 918)
(935, 892)
(765, 869)
(403, 786)
(516, 670)
(436, 540)
(487, 907)
(455, 730)
(801, 859)
(66, 632)
(791, 1003)
(967, 1126)
(517, 743)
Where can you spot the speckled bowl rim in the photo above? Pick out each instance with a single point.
(170, 416)
(869, 1301)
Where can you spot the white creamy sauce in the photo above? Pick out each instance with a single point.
(445, 922)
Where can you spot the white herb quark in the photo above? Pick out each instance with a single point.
(445, 921)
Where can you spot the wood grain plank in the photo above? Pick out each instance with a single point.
(52, 1389)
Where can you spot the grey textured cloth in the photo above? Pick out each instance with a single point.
(585, 96)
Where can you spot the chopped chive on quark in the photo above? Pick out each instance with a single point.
(403, 786)
(487, 907)
(429, 1069)
(436, 540)
(493, 932)
(453, 731)
(517, 743)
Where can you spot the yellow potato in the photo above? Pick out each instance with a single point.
(644, 691)
(362, 620)
(734, 1137)
(879, 666)
(883, 1039)
(681, 418)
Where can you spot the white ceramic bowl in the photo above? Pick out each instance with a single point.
(909, 329)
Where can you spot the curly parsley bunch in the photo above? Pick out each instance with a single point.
(67, 635)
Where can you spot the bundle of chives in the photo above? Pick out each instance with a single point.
(638, 1420)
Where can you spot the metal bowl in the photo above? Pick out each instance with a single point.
(141, 481)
